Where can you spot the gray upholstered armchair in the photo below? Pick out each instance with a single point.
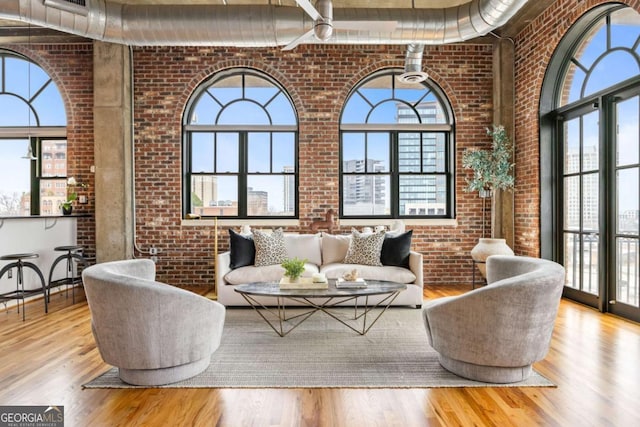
(495, 333)
(154, 333)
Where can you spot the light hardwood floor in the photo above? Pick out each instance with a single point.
(594, 360)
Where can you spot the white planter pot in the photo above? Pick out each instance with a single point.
(487, 247)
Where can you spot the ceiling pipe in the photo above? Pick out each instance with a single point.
(257, 25)
(413, 65)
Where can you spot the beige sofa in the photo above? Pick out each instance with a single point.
(324, 253)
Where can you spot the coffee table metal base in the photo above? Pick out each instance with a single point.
(363, 317)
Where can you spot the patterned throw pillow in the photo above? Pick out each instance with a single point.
(365, 249)
(270, 247)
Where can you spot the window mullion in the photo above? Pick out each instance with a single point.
(34, 143)
(394, 164)
(271, 152)
(243, 168)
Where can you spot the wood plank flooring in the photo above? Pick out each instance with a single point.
(594, 359)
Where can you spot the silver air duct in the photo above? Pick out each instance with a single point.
(256, 25)
(413, 65)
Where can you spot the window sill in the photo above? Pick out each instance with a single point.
(292, 222)
(284, 222)
(433, 222)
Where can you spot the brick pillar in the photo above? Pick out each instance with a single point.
(112, 145)
(502, 217)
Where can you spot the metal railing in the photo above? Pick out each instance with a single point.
(582, 266)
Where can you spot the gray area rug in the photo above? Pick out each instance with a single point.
(323, 353)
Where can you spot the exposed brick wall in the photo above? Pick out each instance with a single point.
(534, 49)
(71, 69)
(318, 78)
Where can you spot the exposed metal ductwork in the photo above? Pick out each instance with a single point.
(413, 65)
(257, 25)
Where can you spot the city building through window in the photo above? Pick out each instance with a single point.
(241, 140)
(396, 150)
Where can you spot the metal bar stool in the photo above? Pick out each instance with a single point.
(21, 293)
(73, 252)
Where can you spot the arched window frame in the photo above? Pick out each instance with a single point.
(277, 132)
(552, 106)
(44, 130)
(589, 166)
(395, 173)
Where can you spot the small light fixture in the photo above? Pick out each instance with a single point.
(413, 65)
(29, 155)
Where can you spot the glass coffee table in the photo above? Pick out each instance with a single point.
(321, 300)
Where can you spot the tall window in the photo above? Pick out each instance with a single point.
(396, 150)
(595, 128)
(241, 157)
(33, 151)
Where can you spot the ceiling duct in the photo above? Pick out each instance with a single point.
(73, 6)
(413, 65)
(256, 25)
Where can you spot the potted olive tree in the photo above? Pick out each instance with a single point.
(492, 170)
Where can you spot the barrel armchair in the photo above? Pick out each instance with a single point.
(153, 332)
(495, 333)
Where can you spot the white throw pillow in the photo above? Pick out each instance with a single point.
(270, 248)
(365, 248)
(334, 248)
(304, 246)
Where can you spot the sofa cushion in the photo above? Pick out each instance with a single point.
(369, 272)
(365, 248)
(269, 273)
(242, 251)
(396, 249)
(270, 248)
(334, 247)
(304, 246)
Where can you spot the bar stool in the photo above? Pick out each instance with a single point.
(21, 293)
(73, 252)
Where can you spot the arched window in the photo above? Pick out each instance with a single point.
(590, 166)
(396, 150)
(33, 142)
(605, 55)
(241, 156)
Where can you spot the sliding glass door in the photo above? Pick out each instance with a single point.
(623, 289)
(581, 203)
(600, 202)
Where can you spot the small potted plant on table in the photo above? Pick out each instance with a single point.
(72, 196)
(293, 269)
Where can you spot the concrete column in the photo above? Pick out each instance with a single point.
(112, 151)
(502, 218)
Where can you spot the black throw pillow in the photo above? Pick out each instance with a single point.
(243, 251)
(395, 249)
